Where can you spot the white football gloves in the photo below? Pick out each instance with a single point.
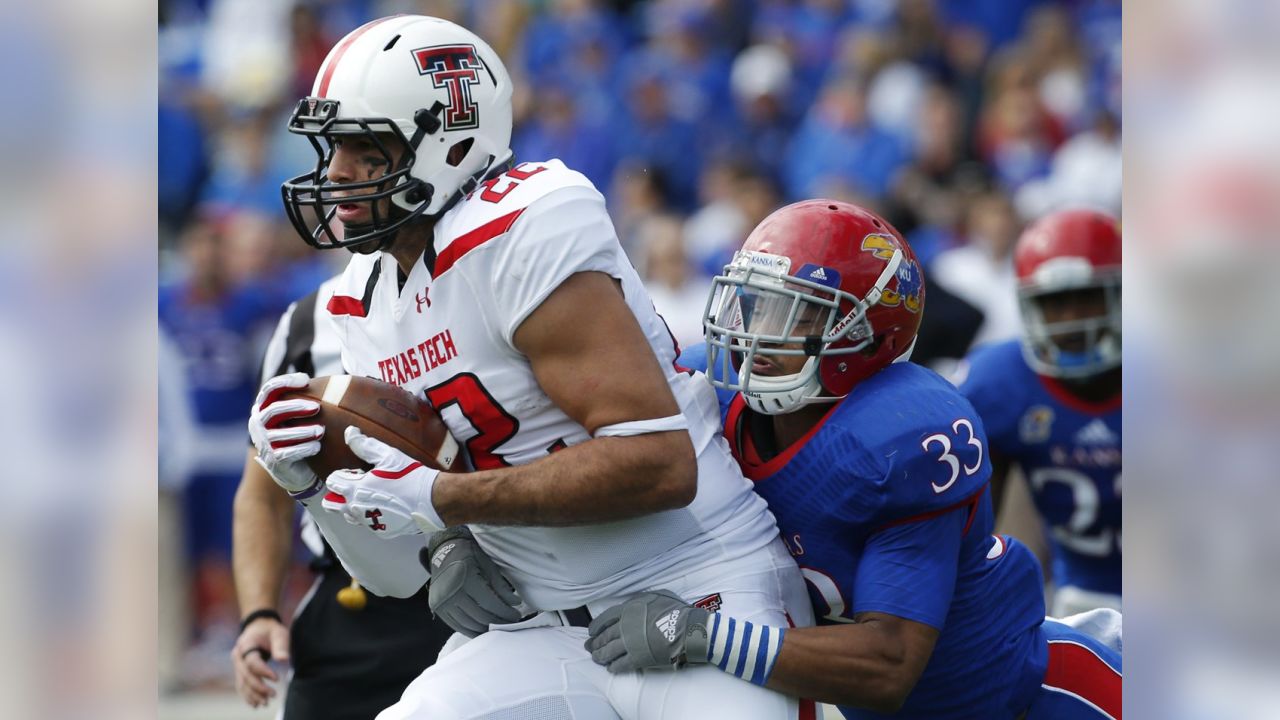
(281, 450)
(392, 499)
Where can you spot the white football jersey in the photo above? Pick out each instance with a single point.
(448, 335)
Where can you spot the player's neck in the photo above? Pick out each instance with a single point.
(1099, 388)
(409, 245)
(790, 427)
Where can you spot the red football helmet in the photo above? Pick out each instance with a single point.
(818, 278)
(1068, 266)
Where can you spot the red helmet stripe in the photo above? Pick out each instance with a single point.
(341, 50)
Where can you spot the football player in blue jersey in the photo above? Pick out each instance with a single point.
(877, 470)
(1051, 403)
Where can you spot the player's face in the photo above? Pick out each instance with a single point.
(359, 158)
(810, 321)
(1072, 306)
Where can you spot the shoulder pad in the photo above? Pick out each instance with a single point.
(996, 382)
(510, 193)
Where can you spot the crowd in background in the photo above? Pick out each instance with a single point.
(959, 120)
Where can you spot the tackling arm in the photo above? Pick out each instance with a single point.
(592, 359)
(873, 663)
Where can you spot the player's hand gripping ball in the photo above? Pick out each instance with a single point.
(391, 499)
(382, 411)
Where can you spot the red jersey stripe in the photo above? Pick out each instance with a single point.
(465, 243)
(1076, 669)
(345, 305)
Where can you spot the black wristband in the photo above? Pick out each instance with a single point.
(261, 613)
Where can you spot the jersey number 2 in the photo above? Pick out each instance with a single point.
(944, 441)
(493, 425)
(523, 171)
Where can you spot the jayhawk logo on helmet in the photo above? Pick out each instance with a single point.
(907, 290)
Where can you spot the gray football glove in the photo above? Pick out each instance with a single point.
(651, 630)
(467, 590)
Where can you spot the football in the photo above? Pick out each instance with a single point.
(381, 410)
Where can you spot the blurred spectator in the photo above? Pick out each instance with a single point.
(719, 226)
(177, 436)
(1099, 30)
(1016, 135)
(837, 142)
(553, 37)
(556, 129)
(308, 46)
(920, 35)
(924, 203)
(809, 31)
(1055, 56)
(695, 62)
(678, 295)
(999, 21)
(653, 133)
(736, 196)
(761, 81)
(1085, 172)
(637, 192)
(247, 47)
(981, 272)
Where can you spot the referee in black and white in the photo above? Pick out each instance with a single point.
(352, 653)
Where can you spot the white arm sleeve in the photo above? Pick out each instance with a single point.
(386, 567)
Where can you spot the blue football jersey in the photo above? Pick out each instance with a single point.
(1069, 451)
(220, 340)
(885, 507)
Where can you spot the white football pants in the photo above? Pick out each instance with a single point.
(544, 673)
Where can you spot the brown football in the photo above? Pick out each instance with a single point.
(381, 410)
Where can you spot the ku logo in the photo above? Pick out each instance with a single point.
(454, 68)
(908, 291)
(423, 297)
(1036, 425)
(372, 516)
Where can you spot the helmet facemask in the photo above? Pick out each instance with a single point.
(311, 200)
(758, 314)
(1075, 348)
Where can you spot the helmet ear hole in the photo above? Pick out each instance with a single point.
(459, 152)
(416, 195)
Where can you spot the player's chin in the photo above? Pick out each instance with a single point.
(1073, 343)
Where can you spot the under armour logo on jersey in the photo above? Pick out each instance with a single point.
(373, 516)
(667, 625)
(423, 297)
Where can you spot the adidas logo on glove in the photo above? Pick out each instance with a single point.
(441, 553)
(667, 625)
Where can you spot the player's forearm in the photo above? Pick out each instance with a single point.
(856, 665)
(262, 533)
(601, 480)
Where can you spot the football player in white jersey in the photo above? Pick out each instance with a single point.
(501, 294)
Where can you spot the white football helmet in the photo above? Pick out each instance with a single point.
(427, 82)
